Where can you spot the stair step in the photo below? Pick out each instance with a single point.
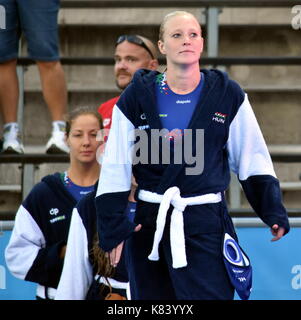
(290, 149)
(290, 186)
(10, 188)
(153, 16)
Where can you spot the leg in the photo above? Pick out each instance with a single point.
(39, 22)
(149, 280)
(9, 91)
(55, 95)
(205, 277)
(54, 88)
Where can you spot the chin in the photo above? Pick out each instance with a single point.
(87, 160)
(187, 61)
(122, 84)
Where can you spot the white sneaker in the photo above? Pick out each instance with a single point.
(57, 143)
(11, 139)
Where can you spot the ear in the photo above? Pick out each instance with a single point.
(153, 64)
(202, 45)
(161, 47)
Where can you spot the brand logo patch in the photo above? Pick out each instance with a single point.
(54, 211)
(219, 117)
(106, 122)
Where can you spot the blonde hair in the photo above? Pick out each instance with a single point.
(171, 15)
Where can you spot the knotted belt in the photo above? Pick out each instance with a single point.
(177, 237)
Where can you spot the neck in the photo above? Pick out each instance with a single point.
(183, 79)
(84, 174)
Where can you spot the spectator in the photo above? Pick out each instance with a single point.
(37, 245)
(132, 52)
(38, 20)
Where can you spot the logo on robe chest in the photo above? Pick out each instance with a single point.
(219, 117)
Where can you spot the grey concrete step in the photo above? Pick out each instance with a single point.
(233, 41)
(290, 186)
(154, 16)
(10, 187)
(278, 114)
(101, 78)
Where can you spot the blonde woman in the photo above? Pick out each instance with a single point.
(175, 244)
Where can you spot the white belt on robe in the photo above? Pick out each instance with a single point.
(177, 238)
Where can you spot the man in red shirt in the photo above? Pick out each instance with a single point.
(132, 52)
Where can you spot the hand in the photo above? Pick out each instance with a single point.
(277, 232)
(63, 252)
(115, 254)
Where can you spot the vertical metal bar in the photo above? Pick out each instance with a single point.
(20, 74)
(28, 180)
(234, 192)
(212, 23)
(20, 114)
(212, 31)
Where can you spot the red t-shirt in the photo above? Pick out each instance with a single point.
(105, 110)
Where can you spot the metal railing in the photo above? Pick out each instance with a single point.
(245, 222)
(30, 162)
(173, 3)
(214, 61)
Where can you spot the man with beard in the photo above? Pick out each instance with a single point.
(132, 52)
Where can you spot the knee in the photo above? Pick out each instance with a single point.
(49, 65)
(9, 64)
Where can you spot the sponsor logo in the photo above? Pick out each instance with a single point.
(242, 279)
(183, 101)
(57, 219)
(54, 211)
(143, 127)
(106, 122)
(174, 134)
(237, 270)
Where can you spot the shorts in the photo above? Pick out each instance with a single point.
(37, 20)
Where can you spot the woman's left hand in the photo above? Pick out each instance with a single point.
(277, 232)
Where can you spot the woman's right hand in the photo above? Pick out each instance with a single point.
(115, 254)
